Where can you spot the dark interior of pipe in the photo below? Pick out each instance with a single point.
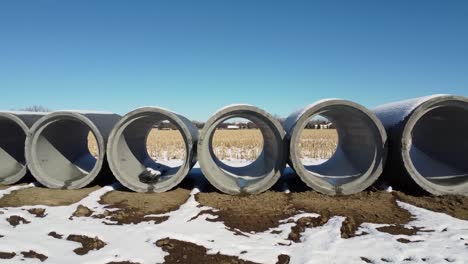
(439, 149)
(12, 139)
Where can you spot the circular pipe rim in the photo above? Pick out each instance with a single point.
(322, 186)
(205, 153)
(21, 173)
(406, 143)
(119, 128)
(31, 142)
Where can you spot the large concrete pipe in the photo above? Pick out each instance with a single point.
(57, 147)
(428, 143)
(128, 156)
(14, 127)
(360, 155)
(256, 177)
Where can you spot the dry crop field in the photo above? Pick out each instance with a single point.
(244, 144)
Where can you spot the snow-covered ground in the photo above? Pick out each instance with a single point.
(135, 242)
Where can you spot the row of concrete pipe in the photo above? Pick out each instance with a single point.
(421, 142)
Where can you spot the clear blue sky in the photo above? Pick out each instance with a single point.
(196, 56)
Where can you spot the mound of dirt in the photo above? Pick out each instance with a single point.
(7, 255)
(253, 213)
(15, 220)
(454, 205)
(186, 252)
(260, 212)
(133, 207)
(87, 243)
(34, 254)
(44, 196)
(38, 212)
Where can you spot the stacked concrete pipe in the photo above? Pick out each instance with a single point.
(256, 177)
(360, 155)
(14, 128)
(428, 143)
(128, 156)
(57, 148)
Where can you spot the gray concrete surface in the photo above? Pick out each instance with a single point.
(14, 127)
(360, 155)
(57, 148)
(256, 177)
(428, 143)
(128, 156)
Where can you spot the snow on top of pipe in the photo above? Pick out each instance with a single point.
(395, 112)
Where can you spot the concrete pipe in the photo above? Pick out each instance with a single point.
(128, 156)
(360, 155)
(256, 177)
(57, 148)
(428, 143)
(14, 127)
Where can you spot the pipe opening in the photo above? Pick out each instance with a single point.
(260, 174)
(237, 142)
(318, 141)
(61, 148)
(12, 159)
(358, 150)
(92, 145)
(438, 146)
(150, 149)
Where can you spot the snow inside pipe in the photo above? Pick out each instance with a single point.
(14, 127)
(259, 175)
(359, 157)
(57, 150)
(428, 143)
(128, 156)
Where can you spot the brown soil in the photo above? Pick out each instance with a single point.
(454, 205)
(283, 259)
(303, 223)
(7, 255)
(82, 211)
(369, 206)
(34, 254)
(185, 252)
(38, 212)
(135, 206)
(399, 230)
(15, 220)
(406, 241)
(255, 213)
(366, 260)
(44, 196)
(55, 235)
(263, 211)
(122, 262)
(87, 243)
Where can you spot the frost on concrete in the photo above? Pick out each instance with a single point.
(395, 112)
(441, 237)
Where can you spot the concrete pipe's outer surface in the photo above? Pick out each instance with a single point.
(428, 143)
(360, 155)
(57, 148)
(256, 177)
(128, 156)
(14, 128)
